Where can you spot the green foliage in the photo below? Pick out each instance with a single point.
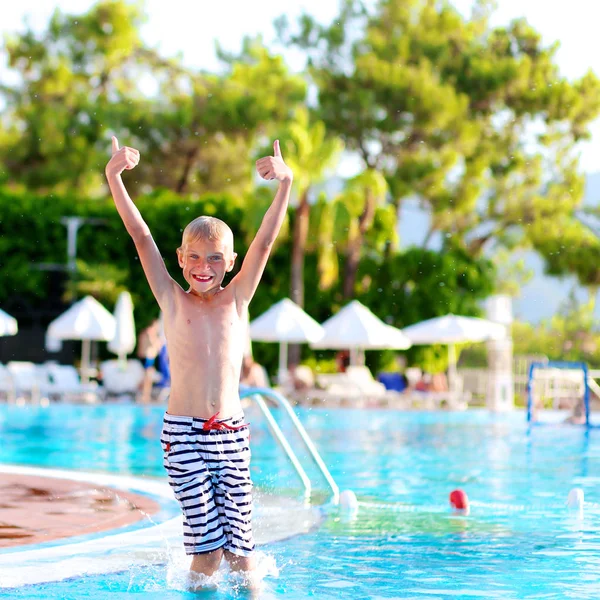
(475, 121)
(569, 335)
(108, 263)
(421, 284)
(418, 284)
(321, 365)
(72, 78)
(104, 281)
(31, 234)
(511, 272)
(568, 247)
(88, 76)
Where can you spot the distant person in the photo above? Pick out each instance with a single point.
(163, 368)
(439, 382)
(424, 384)
(578, 417)
(302, 378)
(205, 327)
(149, 344)
(342, 361)
(253, 375)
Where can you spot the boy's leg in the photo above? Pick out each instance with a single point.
(207, 563)
(240, 563)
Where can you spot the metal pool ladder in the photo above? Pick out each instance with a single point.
(259, 395)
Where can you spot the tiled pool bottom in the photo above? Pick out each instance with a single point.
(155, 539)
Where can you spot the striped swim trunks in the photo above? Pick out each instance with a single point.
(208, 467)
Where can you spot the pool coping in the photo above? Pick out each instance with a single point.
(108, 551)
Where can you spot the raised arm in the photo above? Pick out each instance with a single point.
(246, 281)
(159, 279)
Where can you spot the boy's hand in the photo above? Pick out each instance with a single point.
(273, 167)
(122, 158)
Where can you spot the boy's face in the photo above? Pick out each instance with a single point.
(205, 263)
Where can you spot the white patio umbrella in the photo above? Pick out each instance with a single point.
(286, 323)
(124, 339)
(452, 330)
(8, 324)
(86, 320)
(356, 328)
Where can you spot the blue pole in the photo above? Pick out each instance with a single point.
(532, 367)
(586, 395)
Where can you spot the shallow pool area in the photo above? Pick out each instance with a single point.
(519, 541)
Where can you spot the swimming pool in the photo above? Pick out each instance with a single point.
(519, 542)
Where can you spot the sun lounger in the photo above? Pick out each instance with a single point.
(122, 379)
(356, 387)
(28, 381)
(7, 386)
(62, 383)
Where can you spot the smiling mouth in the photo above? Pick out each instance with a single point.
(202, 278)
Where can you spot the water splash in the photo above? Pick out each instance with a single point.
(179, 577)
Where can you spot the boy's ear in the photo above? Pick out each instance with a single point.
(179, 257)
(232, 263)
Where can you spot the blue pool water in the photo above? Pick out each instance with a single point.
(519, 541)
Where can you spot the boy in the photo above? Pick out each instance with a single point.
(204, 438)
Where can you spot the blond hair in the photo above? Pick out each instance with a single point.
(207, 228)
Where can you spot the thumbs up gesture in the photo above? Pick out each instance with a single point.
(273, 167)
(121, 159)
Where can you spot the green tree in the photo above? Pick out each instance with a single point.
(90, 75)
(571, 334)
(201, 131)
(72, 79)
(363, 194)
(310, 153)
(418, 284)
(569, 248)
(475, 121)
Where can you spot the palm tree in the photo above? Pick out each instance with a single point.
(362, 196)
(309, 152)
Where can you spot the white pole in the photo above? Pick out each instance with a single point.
(353, 357)
(452, 367)
(283, 359)
(85, 360)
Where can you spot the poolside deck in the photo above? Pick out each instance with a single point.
(102, 505)
(38, 509)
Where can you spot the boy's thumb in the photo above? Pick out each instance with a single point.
(115, 144)
(276, 149)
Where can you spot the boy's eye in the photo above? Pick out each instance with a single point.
(194, 256)
(214, 258)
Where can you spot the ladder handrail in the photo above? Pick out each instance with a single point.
(284, 402)
(276, 430)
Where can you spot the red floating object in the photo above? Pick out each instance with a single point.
(459, 500)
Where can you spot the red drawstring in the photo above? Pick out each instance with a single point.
(213, 425)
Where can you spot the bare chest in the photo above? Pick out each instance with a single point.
(206, 329)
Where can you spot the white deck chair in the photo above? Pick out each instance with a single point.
(7, 386)
(363, 379)
(29, 382)
(121, 380)
(63, 383)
